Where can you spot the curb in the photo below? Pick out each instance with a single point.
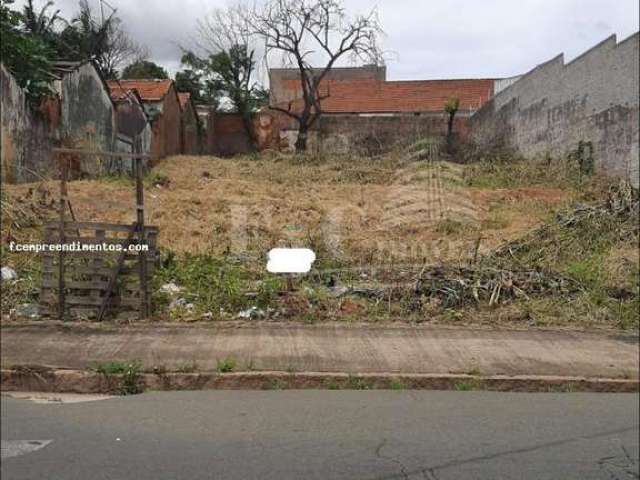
(43, 379)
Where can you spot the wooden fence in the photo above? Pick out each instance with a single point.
(85, 284)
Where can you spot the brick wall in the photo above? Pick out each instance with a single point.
(166, 126)
(555, 106)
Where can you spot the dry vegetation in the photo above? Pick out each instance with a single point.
(379, 227)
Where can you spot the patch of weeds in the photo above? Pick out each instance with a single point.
(108, 368)
(464, 386)
(331, 384)
(358, 383)
(397, 384)
(130, 383)
(268, 291)
(209, 282)
(587, 270)
(278, 384)
(124, 179)
(226, 365)
(156, 179)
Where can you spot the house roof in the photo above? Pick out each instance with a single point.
(120, 94)
(149, 90)
(184, 98)
(371, 96)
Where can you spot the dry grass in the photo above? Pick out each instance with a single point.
(393, 211)
(359, 208)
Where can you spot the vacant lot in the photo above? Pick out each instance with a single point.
(398, 237)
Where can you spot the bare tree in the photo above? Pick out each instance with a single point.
(122, 49)
(301, 29)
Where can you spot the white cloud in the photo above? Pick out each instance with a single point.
(432, 39)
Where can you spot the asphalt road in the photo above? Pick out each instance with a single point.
(324, 435)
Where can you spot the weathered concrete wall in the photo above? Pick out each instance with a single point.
(369, 134)
(134, 132)
(206, 116)
(230, 137)
(555, 106)
(88, 117)
(191, 141)
(27, 134)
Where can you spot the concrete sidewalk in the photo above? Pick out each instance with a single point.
(409, 350)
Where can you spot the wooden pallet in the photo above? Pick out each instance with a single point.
(97, 285)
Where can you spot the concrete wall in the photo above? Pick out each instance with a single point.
(134, 132)
(191, 141)
(555, 106)
(369, 134)
(88, 117)
(27, 133)
(230, 137)
(206, 116)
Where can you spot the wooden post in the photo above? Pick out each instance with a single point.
(63, 163)
(142, 256)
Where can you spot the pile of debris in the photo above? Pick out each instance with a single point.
(458, 286)
(616, 218)
(451, 287)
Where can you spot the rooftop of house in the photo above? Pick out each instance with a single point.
(152, 90)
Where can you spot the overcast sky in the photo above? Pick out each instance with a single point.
(427, 38)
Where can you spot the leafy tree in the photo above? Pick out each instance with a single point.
(25, 55)
(225, 64)
(305, 29)
(40, 23)
(144, 69)
(105, 42)
(202, 90)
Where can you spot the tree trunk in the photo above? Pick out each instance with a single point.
(450, 126)
(301, 142)
(247, 122)
(450, 132)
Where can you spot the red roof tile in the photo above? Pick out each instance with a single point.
(371, 96)
(149, 90)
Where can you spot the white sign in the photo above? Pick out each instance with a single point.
(290, 260)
